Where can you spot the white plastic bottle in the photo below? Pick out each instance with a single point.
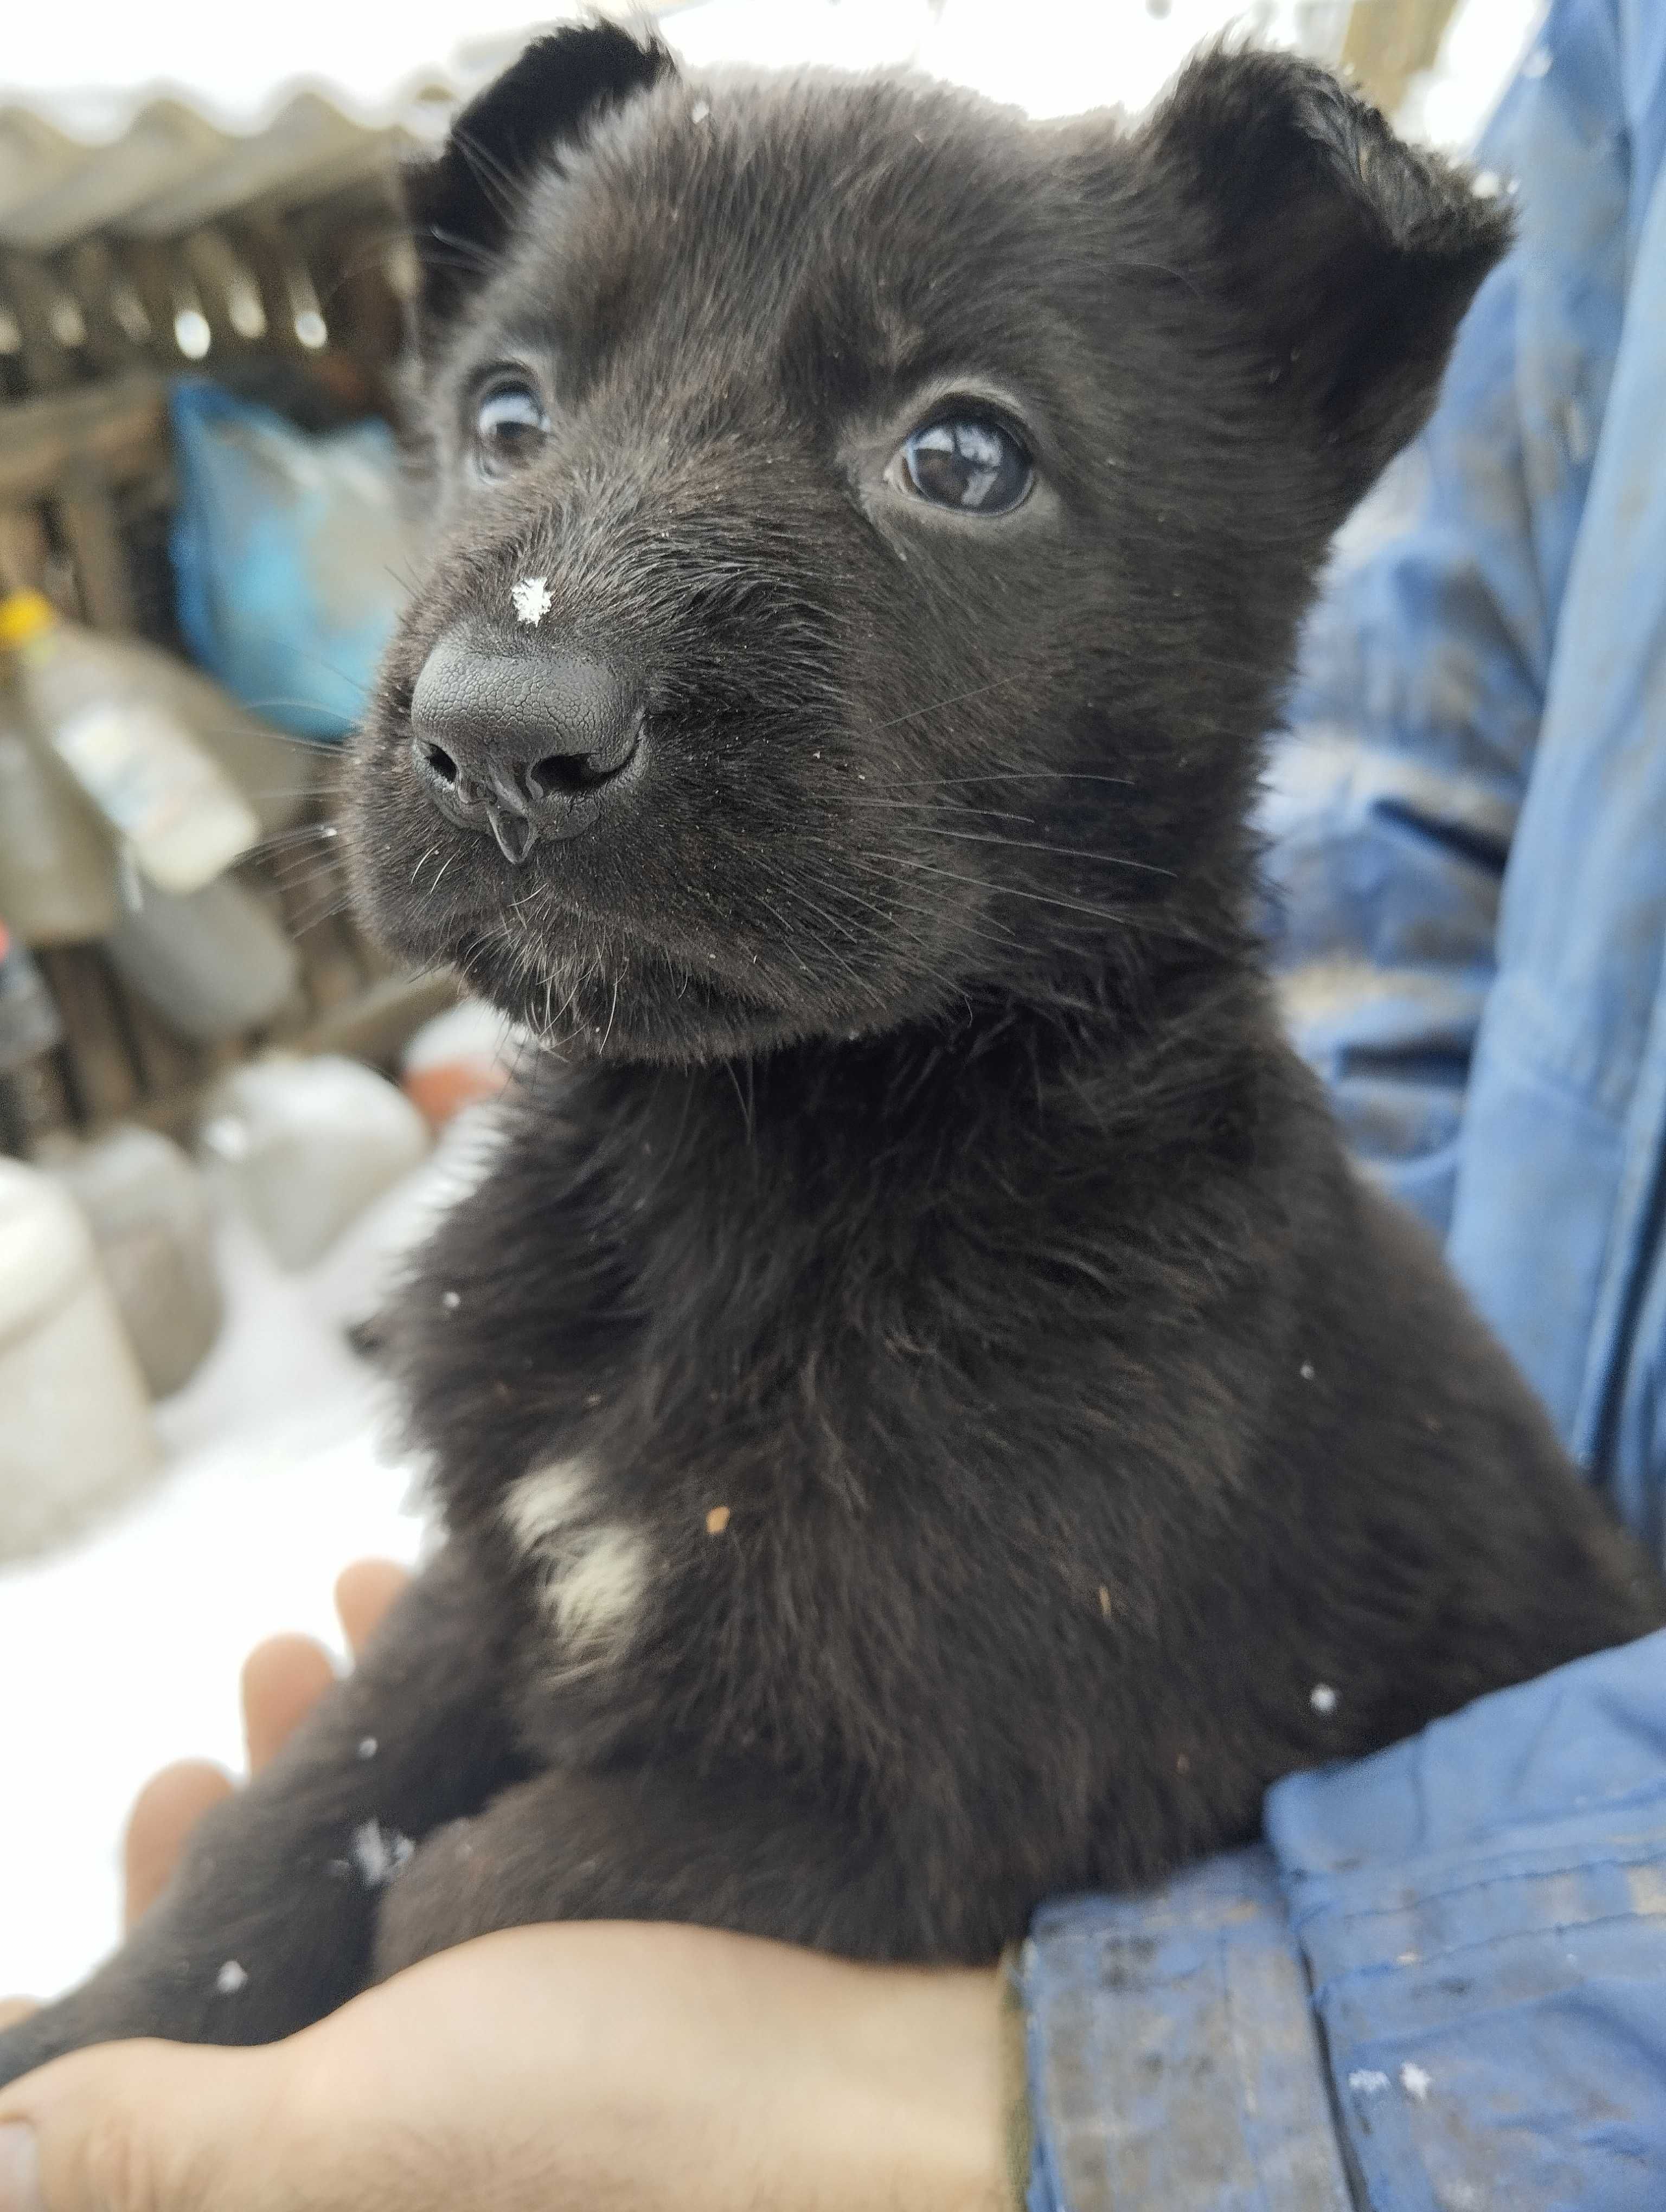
(58, 867)
(162, 793)
(147, 1207)
(306, 1146)
(212, 964)
(76, 1434)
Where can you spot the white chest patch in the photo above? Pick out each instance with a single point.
(533, 599)
(593, 1572)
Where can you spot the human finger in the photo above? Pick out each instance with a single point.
(364, 1592)
(282, 1679)
(164, 1813)
(154, 2127)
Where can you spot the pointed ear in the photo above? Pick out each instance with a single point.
(1351, 257)
(461, 204)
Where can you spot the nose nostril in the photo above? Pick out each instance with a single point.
(440, 763)
(559, 774)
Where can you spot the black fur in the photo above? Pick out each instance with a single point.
(939, 1268)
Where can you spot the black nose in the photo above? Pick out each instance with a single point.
(525, 743)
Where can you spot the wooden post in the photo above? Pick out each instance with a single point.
(1388, 41)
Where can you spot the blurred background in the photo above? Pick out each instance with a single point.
(222, 1115)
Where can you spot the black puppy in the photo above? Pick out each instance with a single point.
(925, 1416)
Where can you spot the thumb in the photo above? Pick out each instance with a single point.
(152, 2127)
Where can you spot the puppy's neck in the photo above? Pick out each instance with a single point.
(1002, 1092)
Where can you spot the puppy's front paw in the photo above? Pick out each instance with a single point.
(32, 2041)
(131, 1997)
(439, 1899)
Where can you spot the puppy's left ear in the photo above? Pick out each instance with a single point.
(1349, 257)
(462, 204)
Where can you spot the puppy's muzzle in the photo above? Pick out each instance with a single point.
(523, 744)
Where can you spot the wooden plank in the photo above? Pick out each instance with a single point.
(75, 457)
(1388, 41)
(167, 1064)
(100, 1070)
(119, 428)
(379, 1023)
(91, 531)
(25, 548)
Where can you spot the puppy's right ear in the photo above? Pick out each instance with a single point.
(462, 204)
(1347, 257)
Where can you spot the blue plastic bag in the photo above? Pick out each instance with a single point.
(287, 552)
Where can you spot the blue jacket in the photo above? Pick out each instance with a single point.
(1441, 1982)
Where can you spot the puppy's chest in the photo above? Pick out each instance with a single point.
(706, 1605)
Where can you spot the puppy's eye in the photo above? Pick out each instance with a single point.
(509, 425)
(969, 462)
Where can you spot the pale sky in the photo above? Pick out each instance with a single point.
(1052, 57)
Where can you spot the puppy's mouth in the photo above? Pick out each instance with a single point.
(587, 909)
(605, 992)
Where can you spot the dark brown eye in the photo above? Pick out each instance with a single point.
(968, 462)
(509, 425)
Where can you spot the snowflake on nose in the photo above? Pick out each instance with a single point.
(533, 599)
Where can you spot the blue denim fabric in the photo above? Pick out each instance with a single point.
(1173, 2051)
(1468, 814)
(1468, 881)
(1480, 1914)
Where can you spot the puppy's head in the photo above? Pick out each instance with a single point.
(868, 530)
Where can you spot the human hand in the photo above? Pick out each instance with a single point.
(586, 2065)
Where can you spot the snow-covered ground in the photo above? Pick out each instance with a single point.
(122, 1652)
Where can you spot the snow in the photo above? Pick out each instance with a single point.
(1321, 1698)
(533, 599)
(230, 1978)
(122, 1652)
(1416, 2083)
(379, 1853)
(1367, 2082)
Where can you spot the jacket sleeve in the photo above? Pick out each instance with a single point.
(1392, 799)
(1440, 1987)
(1174, 2060)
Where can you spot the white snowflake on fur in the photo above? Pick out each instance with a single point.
(379, 1853)
(533, 599)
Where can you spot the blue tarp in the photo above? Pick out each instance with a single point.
(289, 552)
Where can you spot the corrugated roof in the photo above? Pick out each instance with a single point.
(172, 167)
(163, 162)
(164, 159)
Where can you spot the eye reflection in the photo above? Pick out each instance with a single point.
(509, 425)
(967, 462)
